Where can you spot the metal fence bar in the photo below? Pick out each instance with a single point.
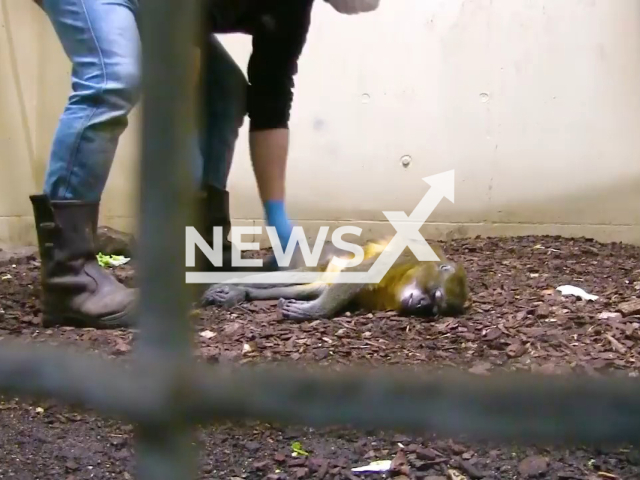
(520, 407)
(165, 449)
(503, 406)
(166, 185)
(76, 378)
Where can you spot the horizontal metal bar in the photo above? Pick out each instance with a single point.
(520, 407)
(87, 380)
(506, 406)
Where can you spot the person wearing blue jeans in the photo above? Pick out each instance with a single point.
(102, 41)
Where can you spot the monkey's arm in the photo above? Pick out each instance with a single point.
(208, 296)
(232, 295)
(332, 300)
(229, 295)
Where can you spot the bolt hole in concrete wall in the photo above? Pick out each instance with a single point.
(535, 105)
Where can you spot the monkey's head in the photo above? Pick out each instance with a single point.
(435, 288)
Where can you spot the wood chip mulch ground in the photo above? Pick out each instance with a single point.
(518, 320)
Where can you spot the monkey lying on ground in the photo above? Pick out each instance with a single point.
(410, 287)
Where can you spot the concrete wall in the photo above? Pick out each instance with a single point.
(536, 105)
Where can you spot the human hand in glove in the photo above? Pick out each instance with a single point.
(353, 7)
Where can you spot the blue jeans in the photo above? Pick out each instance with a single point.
(102, 41)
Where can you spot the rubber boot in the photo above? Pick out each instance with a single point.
(76, 290)
(214, 212)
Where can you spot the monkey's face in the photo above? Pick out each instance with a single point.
(420, 302)
(438, 290)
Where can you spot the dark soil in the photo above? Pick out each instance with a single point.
(517, 320)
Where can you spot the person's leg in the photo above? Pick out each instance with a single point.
(101, 39)
(277, 46)
(223, 89)
(223, 109)
(269, 153)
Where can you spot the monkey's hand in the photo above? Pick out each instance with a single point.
(299, 310)
(224, 296)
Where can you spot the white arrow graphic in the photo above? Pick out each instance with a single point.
(408, 228)
(407, 235)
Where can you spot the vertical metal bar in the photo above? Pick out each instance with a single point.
(165, 449)
(166, 187)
